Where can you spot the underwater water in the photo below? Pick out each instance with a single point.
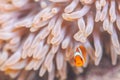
(59, 39)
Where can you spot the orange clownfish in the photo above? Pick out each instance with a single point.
(80, 56)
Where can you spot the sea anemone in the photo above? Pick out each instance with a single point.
(38, 37)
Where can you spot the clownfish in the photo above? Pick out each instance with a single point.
(80, 56)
